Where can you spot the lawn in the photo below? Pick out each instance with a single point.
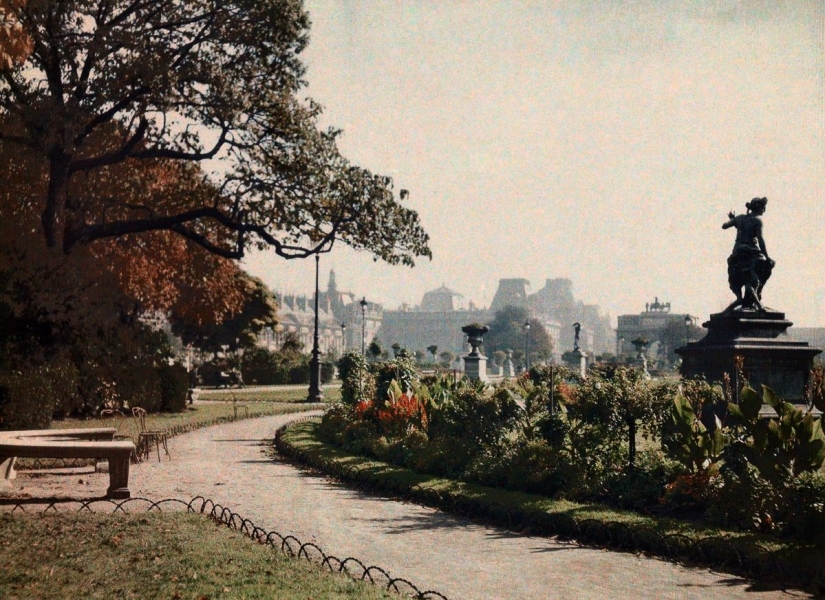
(153, 555)
(270, 394)
(198, 415)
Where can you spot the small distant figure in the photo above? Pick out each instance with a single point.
(749, 266)
(577, 329)
(193, 383)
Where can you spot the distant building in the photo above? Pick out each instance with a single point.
(660, 327)
(510, 292)
(436, 321)
(558, 310)
(296, 314)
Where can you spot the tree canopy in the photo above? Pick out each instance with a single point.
(507, 333)
(87, 86)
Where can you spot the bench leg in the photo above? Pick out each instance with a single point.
(119, 478)
(7, 468)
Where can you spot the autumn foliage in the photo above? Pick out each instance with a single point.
(75, 319)
(15, 44)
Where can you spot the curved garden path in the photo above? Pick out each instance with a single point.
(461, 559)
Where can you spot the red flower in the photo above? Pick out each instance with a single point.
(362, 407)
(402, 414)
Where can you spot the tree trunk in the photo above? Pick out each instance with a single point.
(54, 216)
(631, 455)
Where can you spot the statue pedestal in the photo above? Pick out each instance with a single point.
(475, 366)
(770, 356)
(640, 362)
(577, 361)
(509, 370)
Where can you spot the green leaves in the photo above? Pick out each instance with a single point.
(687, 440)
(790, 444)
(187, 81)
(749, 404)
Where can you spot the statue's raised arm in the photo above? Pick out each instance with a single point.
(749, 265)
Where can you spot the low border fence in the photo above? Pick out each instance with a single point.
(286, 544)
(757, 561)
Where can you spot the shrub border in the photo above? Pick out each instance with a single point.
(752, 560)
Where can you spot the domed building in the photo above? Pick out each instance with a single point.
(436, 321)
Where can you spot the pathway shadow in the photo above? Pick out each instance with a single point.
(408, 523)
(750, 586)
(37, 475)
(41, 500)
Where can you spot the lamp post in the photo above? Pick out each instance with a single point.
(688, 323)
(316, 394)
(527, 345)
(343, 337)
(363, 304)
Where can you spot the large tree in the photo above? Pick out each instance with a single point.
(507, 333)
(187, 81)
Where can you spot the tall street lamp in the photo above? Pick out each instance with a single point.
(363, 304)
(316, 394)
(343, 338)
(527, 344)
(688, 323)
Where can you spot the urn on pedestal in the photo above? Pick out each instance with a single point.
(475, 363)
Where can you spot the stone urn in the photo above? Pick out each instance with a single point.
(640, 344)
(475, 334)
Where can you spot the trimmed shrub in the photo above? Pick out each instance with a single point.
(27, 399)
(357, 383)
(643, 486)
(805, 506)
(174, 383)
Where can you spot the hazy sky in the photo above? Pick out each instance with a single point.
(604, 141)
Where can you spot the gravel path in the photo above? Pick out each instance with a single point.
(462, 560)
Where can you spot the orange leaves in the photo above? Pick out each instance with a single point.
(152, 271)
(163, 272)
(402, 414)
(15, 44)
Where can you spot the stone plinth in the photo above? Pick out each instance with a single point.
(577, 361)
(509, 368)
(771, 357)
(475, 366)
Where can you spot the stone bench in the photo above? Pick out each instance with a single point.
(69, 443)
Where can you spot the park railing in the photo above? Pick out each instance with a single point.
(286, 544)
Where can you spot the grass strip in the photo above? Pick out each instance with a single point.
(154, 555)
(331, 394)
(768, 558)
(193, 417)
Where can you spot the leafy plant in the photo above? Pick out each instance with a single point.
(779, 448)
(401, 370)
(686, 439)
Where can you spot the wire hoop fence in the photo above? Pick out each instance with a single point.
(286, 544)
(754, 561)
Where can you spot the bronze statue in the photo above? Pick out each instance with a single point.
(749, 265)
(577, 329)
